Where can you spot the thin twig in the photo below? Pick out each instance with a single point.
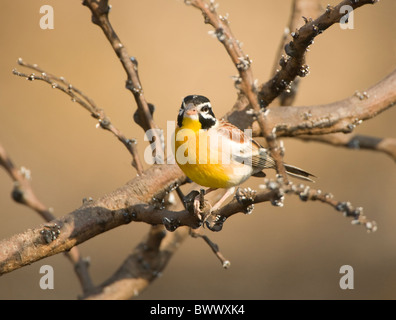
(274, 191)
(87, 103)
(356, 142)
(215, 248)
(100, 16)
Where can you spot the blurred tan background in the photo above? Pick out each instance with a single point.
(293, 252)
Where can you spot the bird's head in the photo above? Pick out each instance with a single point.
(196, 108)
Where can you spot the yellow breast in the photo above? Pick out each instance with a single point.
(196, 158)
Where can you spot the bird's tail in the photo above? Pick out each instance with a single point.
(298, 173)
(266, 161)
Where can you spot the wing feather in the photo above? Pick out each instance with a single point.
(244, 149)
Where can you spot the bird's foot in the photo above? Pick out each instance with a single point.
(196, 204)
(202, 208)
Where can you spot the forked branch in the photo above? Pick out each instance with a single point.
(293, 64)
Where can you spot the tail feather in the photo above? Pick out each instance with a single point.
(299, 173)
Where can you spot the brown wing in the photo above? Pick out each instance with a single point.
(249, 151)
(246, 149)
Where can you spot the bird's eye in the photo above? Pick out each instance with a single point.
(205, 109)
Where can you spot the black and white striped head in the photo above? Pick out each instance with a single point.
(198, 108)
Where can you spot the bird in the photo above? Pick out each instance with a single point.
(216, 154)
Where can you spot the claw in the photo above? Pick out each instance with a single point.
(197, 206)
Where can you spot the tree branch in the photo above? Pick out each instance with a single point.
(117, 208)
(357, 142)
(294, 65)
(274, 191)
(246, 80)
(23, 193)
(300, 9)
(143, 266)
(341, 116)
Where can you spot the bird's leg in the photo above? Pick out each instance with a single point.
(229, 192)
(199, 201)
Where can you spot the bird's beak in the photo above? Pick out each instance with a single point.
(192, 111)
